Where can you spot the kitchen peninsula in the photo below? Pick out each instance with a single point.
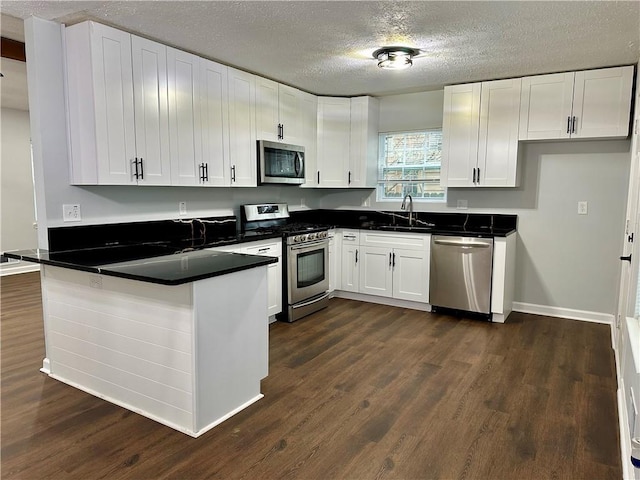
(179, 337)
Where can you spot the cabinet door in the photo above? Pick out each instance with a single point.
(290, 115)
(545, 110)
(151, 115)
(602, 102)
(267, 117)
(350, 267)
(363, 155)
(214, 100)
(498, 136)
(376, 271)
(309, 137)
(101, 117)
(411, 275)
(334, 126)
(460, 124)
(274, 288)
(242, 129)
(185, 133)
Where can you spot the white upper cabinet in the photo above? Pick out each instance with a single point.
(498, 133)
(150, 95)
(309, 136)
(242, 129)
(101, 107)
(460, 127)
(214, 102)
(347, 142)
(278, 112)
(585, 104)
(185, 133)
(363, 157)
(334, 140)
(480, 134)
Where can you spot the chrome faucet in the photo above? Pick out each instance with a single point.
(404, 207)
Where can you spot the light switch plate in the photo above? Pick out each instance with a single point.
(182, 208)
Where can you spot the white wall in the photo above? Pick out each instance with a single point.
(17, 208)
(564, 260)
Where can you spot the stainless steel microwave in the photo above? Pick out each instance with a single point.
(280, 163)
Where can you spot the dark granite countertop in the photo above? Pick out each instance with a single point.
(153, 263)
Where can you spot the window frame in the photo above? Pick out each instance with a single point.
(380, 183)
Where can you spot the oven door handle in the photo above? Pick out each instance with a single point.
(311, 302)
(305, 246)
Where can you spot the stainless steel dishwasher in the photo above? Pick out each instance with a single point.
(460, 273)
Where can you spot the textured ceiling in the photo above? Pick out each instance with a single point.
(325, 47)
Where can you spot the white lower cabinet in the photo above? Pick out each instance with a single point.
(266, 248)
(395, 265)
(334, 264)
(271, 248)
(350, 269)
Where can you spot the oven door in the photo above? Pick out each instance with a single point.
(307, 270)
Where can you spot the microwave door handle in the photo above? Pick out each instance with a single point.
(298, 164)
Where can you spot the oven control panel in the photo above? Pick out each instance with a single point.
(308, 237)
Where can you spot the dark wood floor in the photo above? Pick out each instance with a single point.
(357, 391)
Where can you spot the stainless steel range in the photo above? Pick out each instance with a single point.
(306, 256)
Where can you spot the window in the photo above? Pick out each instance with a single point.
(409, 163)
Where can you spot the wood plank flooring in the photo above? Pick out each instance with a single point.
(356, 391)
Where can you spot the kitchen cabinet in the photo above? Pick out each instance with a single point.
(363, 157)
(309, 137)
(185, 131)
(395, 265)
(266, 248)
(270, 248)
(585, 104)
(214, 102)
(347, 142)
(350, 268)
(102, 124)
(242, 129)
(480, 134)
(278, 112)
(334, 141)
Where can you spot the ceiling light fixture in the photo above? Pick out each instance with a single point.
(395, 58)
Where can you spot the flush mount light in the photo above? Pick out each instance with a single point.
(395, 58)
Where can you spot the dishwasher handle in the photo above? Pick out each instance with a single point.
(455, 243)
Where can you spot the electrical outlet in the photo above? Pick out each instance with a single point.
(71, 213)
(583, 207)
(182, 208)
(462, 204)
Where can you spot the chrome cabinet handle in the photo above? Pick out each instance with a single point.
(233, 173)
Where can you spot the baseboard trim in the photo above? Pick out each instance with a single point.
(393, 302)
(16, 268)
(584, 315)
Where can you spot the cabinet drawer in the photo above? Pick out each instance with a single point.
(270, 250)
(266, 248)
(350, 236)
(409, 241)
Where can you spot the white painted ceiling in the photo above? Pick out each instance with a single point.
(325, 47)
